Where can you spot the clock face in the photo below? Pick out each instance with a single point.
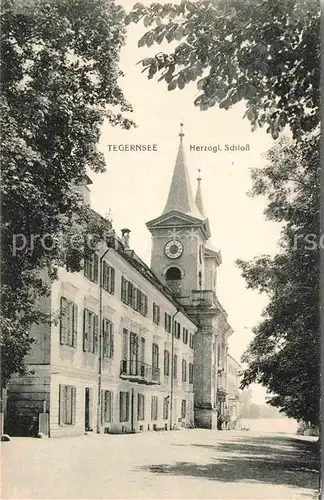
(173, 249)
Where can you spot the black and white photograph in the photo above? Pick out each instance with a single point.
(160, 249)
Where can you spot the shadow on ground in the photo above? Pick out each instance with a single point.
(270, 460)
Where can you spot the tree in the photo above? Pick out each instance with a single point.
(60, 73)
(265, 52)
(284, 354)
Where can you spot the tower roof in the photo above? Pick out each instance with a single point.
(199, 199)
(180, 194)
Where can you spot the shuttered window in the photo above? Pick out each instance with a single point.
(165, 408)
(184, 370)
(183, 408)
(68, 322)
(166, 363)
(107, 338)
(177, 329)
(140, 407)
(108, 278)
(91, 267)
(167, 322)
(156, 314)
(133, 297)
(175, 366)
(90, 331)
(106, 407)
(123, 406)
(185, 335)
(154, 407)
(67, 405)
(191, 341)
(155, 355)
(190, 373)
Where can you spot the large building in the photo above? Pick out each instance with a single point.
(132, 348)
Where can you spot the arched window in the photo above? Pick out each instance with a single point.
(172, 274)
(173, 279)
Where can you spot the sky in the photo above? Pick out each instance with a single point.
(135, 186)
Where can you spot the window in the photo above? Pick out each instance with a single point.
(175, 366)
(140, 407)
(67, 405)
(123, 406)
(125, 344)
(190, 373)
(106, 407)
(133, 297)
(154, 407)
(155, 355)
(191, 340)
(173, 273)
(156, 314)
(108, 278)
(167, 322)
(177, 330)
(90, 331)
(68, 322)
(166, 363)
(165, 408)
(185, 335)
(183, 408)
(107, 338)
(124, 290)
(184, 370)
(91, 267)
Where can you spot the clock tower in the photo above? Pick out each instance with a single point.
(179, 236)
(184, 259)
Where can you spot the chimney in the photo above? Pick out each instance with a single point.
(125, 236)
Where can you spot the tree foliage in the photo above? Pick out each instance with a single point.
(59, 63)
(264, 52)
(284, 354)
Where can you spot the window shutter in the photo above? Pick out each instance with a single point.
(95, 334)
(112, 284)
(73, 409)
(145, 305)
(102, 406)
(95, 267)
(85, 330)
(75, 325)
(63, 329)
(104, 275)
(112, 344)
(158, 315)
(61, 404)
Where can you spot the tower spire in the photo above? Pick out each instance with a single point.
(199, 199)
(180, 196)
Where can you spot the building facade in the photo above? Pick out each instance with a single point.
(132, 348)
(234, 370)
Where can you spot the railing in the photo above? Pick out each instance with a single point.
(139, 372)
(202, 298)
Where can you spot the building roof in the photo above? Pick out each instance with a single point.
(180, 196)
(199, 198)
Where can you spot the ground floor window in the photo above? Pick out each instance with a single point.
(67, 405)
(183, 408)
(140, 406)
(154, 407)
(123, 406)
(165, 408)
(106, 406)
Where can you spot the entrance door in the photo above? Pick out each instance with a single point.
(88, 409)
